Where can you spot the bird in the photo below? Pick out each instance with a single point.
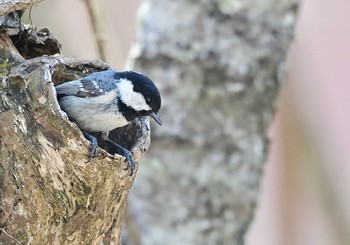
(105, 100)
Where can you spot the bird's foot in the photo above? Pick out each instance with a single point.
(125, 153)
(116, 149)
(94, 145)
(131, 162)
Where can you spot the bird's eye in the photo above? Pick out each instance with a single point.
(148, 100)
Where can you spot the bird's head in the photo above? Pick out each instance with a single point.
(138, 95)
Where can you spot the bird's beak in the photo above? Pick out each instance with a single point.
(156, 118)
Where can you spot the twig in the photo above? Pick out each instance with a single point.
(102, 33)
(3, 230)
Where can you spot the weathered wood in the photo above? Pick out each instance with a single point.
(49, 192)
(8, 6)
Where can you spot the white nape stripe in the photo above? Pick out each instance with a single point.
(131, 98)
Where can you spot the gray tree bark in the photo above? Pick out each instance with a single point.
(8, 6)
(49, 192)
(219, 65)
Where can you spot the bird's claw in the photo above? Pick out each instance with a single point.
(131, 162)
(93, 152)
(94, 145)
(119, 150)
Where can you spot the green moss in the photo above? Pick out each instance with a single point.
(5, 67)
(87, 189)
(62, 196)
(78, 207)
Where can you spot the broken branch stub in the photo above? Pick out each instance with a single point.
(49, 193)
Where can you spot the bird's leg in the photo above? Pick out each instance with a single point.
(121, 151)
(125, 153)
(94, 144)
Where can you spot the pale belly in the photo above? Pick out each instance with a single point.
(90, 115)
(101, 122)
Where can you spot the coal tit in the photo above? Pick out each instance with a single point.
(106, 100)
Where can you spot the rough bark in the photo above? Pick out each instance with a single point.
(8, 6)
(49, 192)
(219, 65)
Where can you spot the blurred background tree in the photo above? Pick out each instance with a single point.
(219, 65)
(304, 192)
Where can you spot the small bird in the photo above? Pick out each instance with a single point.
(106, 100)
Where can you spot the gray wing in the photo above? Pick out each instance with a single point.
(95, 84)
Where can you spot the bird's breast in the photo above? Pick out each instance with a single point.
(95, 114)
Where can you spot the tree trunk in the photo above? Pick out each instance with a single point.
(219, 65)
(50, 193)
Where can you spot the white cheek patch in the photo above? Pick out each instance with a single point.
(130, 97)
